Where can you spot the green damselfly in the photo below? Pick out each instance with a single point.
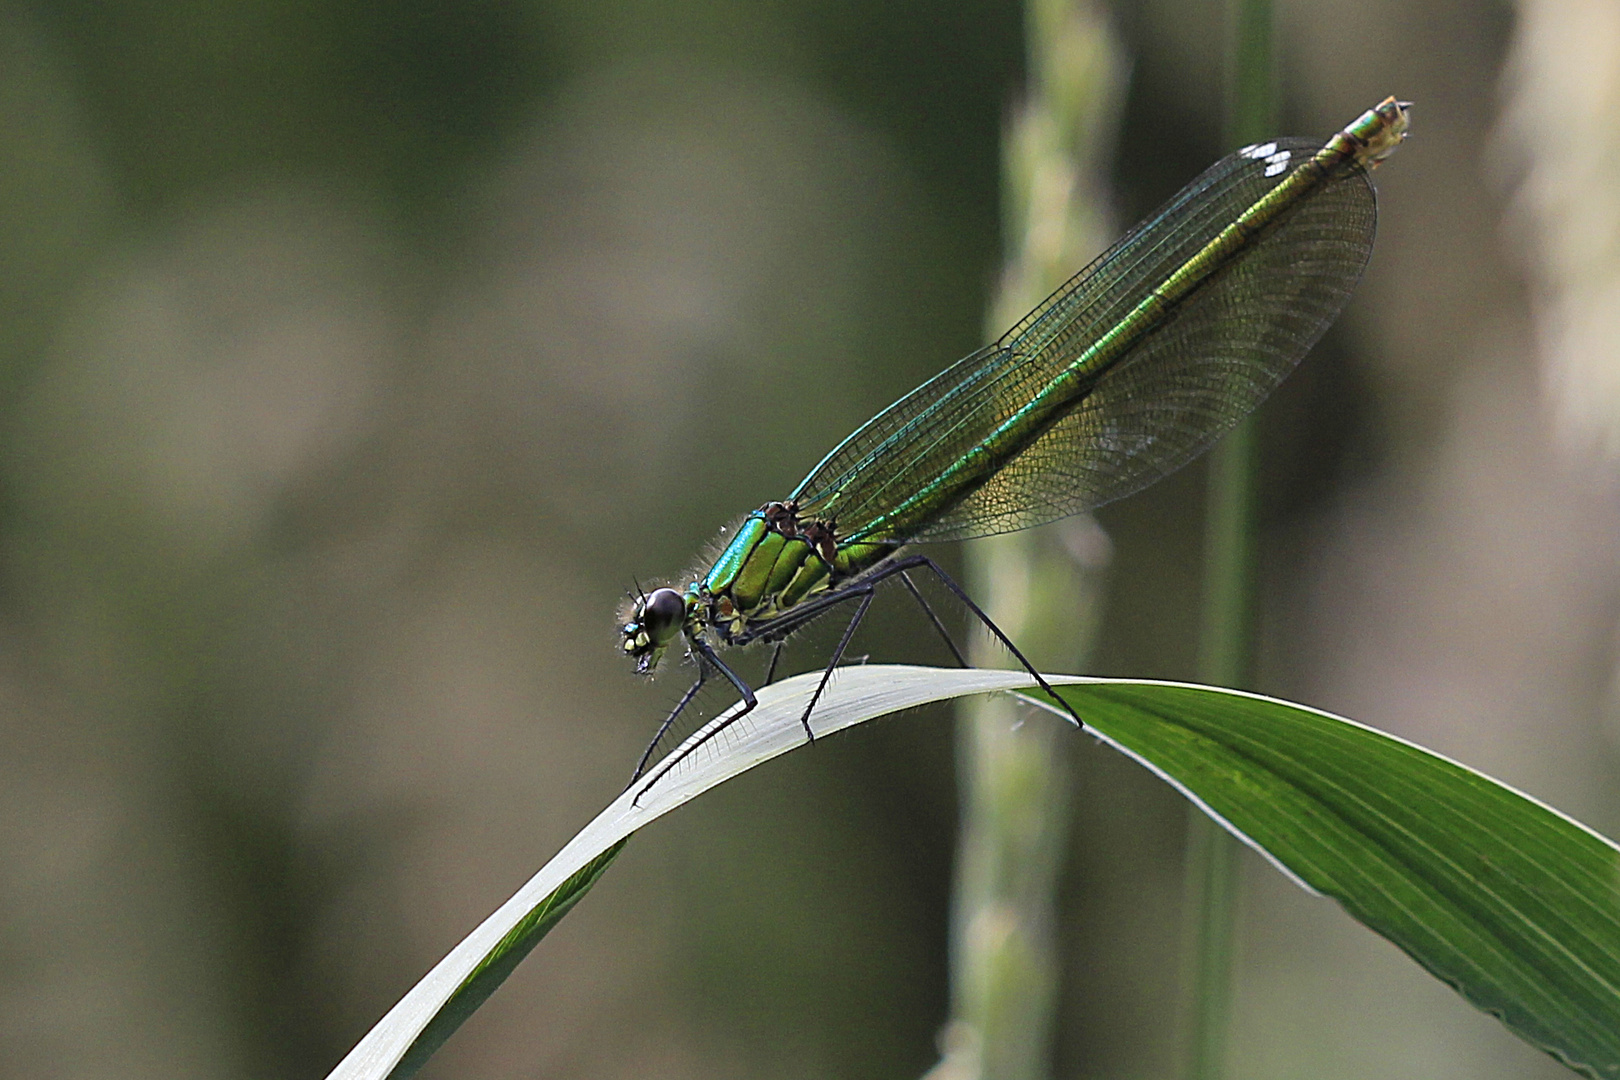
(1130, 370)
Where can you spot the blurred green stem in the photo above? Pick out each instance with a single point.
(1225, 631)
(1042, 586)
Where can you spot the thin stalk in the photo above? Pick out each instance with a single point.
(1225, 647)
(1043, 586)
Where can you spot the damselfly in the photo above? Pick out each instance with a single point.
(1126, 373)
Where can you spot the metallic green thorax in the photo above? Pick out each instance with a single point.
(764, 573)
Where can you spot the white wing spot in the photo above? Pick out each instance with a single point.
(1259, 150)
(1277, 162)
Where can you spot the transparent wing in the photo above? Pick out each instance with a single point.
(1176, 391)
(1191, 381)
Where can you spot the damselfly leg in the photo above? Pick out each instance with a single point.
(863, 591)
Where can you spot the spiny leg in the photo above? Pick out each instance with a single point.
(706, 654)
(663, 729)
(864, 590)
(865, 593)
(865, 587)
(944, 634)
(776, 654)
(945, 579)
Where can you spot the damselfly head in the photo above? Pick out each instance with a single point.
(653, 621)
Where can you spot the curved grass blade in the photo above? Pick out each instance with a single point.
(1514, 905)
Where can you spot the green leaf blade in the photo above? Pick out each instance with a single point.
(1514, 905)
(493, 969)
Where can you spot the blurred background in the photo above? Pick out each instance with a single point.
(356, 357)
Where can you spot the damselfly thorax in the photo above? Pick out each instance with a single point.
(775, 562)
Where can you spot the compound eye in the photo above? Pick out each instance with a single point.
(663, 614)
